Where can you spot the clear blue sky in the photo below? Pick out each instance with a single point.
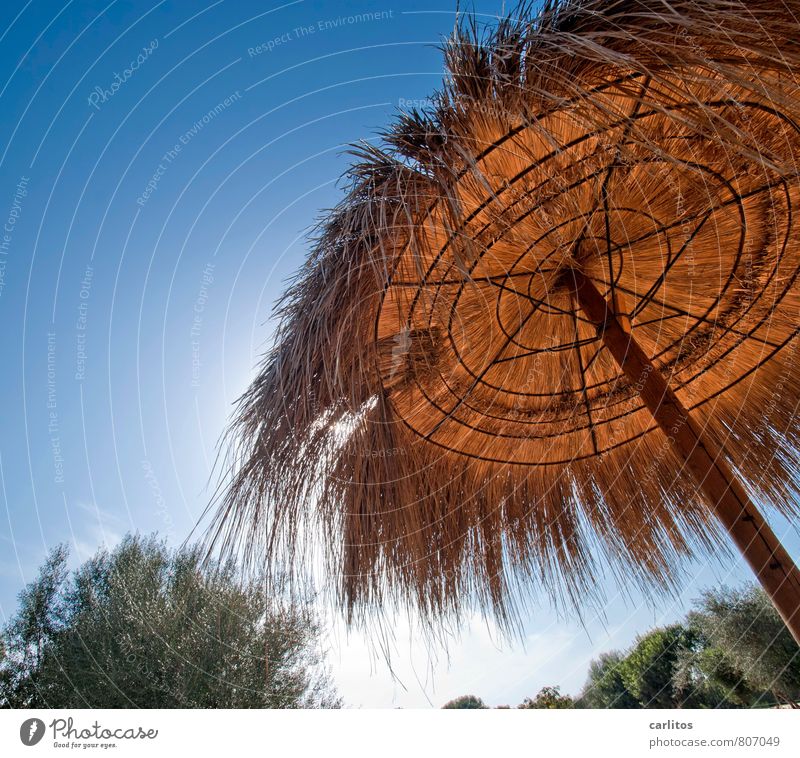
(160, 164)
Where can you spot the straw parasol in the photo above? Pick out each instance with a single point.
(551, 331)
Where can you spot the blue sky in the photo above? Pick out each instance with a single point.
(160, 166)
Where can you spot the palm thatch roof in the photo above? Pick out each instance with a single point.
(438, 416)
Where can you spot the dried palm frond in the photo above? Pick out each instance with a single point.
(438, 415)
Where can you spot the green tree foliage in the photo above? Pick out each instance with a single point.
(548, 697)
(715, 677)
(465, 701)
(732, 651)
(29, 635)
(670, 667)
(749, 653)
(605, 687)
(145, 626)
(648, 671)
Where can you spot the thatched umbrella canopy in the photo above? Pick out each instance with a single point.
(551, 330)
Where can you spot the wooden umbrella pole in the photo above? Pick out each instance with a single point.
(758, 544)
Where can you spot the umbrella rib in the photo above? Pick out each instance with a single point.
(726, 329)
(583, 391)
(646, 298)
(540, 351)
(610, 172)
(488, 278)
(538, 302)
(596, 353)
(681, 312)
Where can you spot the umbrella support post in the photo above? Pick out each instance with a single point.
(752, 535)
